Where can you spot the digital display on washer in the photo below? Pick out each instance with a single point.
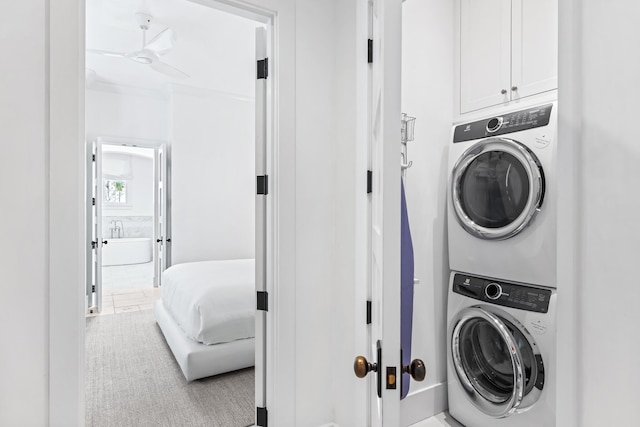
(500, 125)
(503, 293)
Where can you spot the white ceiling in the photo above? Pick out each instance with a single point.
(215, 48)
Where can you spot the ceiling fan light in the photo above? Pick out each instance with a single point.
(142, 59)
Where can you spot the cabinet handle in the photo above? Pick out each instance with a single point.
(503, 91)
(514, 88)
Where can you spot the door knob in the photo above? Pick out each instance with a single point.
(416, 369)
(104, 242)
(514, 88)
(503, 91)
(158, 240)
(362, 367)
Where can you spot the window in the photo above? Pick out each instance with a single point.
(115, 192)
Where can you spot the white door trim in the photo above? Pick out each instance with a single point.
(67, 240)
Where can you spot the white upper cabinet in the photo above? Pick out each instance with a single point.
(534, 52)
(485, 53)
(508, 50)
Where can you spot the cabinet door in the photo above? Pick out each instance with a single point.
(485, 53)
(535, 47)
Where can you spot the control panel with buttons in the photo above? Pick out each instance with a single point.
(498, 292)
(509, 123)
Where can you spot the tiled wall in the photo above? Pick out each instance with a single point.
(134, 226)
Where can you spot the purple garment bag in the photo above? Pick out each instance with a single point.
(406, 292)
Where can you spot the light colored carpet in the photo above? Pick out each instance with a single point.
(133, 380)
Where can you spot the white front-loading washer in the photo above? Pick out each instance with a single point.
(501, 353)
(502, 196)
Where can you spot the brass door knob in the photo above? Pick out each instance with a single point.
(416, 369)
(362, 367)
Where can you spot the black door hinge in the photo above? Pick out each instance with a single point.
(368, 312)
(93, 157)
(261, 417)
(262, 301)
(262, 184)
(369, 182)
(93, 201)
(93, 288)
(370, 51)
(94, 244)
(263, 68)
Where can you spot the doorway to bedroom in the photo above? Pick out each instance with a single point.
(172, 341)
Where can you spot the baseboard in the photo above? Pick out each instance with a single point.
(424, 404)
(329, 425)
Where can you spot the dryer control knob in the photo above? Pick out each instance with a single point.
(493, 291)
(494, 124)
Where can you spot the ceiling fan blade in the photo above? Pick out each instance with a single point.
(169, 70)
(108, 53)
(163, 42)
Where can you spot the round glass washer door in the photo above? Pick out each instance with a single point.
(497, 188)
(497, 361)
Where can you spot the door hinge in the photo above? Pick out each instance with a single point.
(93, 157)
(368, 312)
(370, 51)
(93, 201)
(261, 417)
(94, 244)
(262, 301)
(369, 182)
(262, 184)
(263, 68)
(93, 288)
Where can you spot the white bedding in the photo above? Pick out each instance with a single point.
(212, 301)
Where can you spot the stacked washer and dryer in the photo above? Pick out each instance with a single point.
(502, 251)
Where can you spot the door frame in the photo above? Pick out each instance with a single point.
(97, 142)
(67, 217)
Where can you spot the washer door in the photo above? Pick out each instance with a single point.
(497, 361)
(497, 188)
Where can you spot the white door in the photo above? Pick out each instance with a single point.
(384, 354)
(162, 247)
(535, 47)
(485, 53)
(90, 197)
(94, 285)
(261, 208)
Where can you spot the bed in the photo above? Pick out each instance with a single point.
(207, 315)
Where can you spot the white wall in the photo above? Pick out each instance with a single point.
(139, 186)
(427, 94)
(349, 285)
(126, 112)
(24, 245)
(607, 291)
(212, 176)
(315, 207)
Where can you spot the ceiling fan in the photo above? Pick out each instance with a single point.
(150, 52)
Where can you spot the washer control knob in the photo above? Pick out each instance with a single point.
(494, 124)
(493, 291)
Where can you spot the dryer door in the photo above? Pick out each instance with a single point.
(497, 187)
(497, 361)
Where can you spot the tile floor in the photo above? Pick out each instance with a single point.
(116, 301)
(443, 419)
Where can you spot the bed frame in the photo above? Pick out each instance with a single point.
(199, 360)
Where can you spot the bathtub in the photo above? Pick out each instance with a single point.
(127, 251)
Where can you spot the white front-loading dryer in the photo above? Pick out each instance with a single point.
(502, 196)
(501, 353)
